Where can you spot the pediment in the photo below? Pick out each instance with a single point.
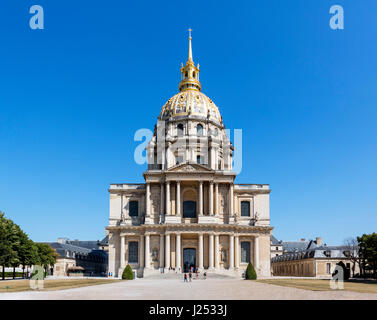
(189, 167)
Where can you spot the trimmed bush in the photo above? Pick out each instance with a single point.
(127, 273)
(250, 273)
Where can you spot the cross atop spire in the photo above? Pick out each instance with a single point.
(190, 48)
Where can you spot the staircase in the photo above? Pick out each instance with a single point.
(179, 276)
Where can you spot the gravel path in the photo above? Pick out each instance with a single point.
(209, 289)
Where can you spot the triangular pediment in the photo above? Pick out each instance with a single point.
(189, 167)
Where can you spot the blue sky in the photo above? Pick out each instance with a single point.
(73, 95)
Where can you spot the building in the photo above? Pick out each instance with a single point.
(86, 259)
(276, 247)
(310, 259)
(189, 213)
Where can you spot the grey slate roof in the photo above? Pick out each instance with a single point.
(63, 248)
(275, 241)
(313, 251)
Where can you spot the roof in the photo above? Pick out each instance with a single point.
(314, 251)
(62, 248)
(275, 241)
(104, 241)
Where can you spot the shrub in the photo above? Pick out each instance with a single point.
(127, 273)
(250, 272)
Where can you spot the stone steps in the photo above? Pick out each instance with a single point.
(179, 276)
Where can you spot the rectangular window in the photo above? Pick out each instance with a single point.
(245, 252)
(328, 268)
(134, 208)
(245, 209)
(133, 252)
(199, 160)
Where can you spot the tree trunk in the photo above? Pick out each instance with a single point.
(23, 271)
(3, 272)
(14, 272)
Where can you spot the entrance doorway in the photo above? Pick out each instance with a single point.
(189, 259)
(189, 209)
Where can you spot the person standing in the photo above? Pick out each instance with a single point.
(185, 278)
(190, 276)
(205, 275)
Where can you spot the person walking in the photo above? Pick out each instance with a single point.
(185, 278)
(190, 276)
(205, 275)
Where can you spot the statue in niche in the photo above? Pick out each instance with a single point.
(223, 255)
(154, 254)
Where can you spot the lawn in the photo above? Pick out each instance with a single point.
(49, 285)
(322, 285)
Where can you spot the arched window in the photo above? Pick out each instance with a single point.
(216, 132)
(133, 252)
(245, 209)
(180, 130)
(245, 252)
(199, 130)
(193, 74)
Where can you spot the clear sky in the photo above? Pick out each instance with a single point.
(73, 95)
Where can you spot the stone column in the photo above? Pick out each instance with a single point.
(217, 199)
(200, 198)
(237, 251)
(167, 197)
(162, 200)
(210, 198)
(167, 251)
(231, 200)
(148, 200)
(217, 251)
(178, 199)
(141, 251)
(201, 266)
(147, 251)
(122, 251)
(161, 250)
(231, 252)
(211, 253)
(178, 252)
(256, 253)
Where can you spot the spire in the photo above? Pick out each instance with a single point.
(189, 73)
(190, 48)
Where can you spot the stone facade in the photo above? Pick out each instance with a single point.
(189, 212)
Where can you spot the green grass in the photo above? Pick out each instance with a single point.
(49, 285)
(321, 285)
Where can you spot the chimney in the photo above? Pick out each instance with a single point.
(62, 240)
(302, 239)
(318, 240)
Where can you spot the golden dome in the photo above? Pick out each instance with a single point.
(190, 103)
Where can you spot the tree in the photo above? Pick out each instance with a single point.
(9, 242)
(352, 246)
(250, 272)
(46, 255)
(127, 273)
(368, 252)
